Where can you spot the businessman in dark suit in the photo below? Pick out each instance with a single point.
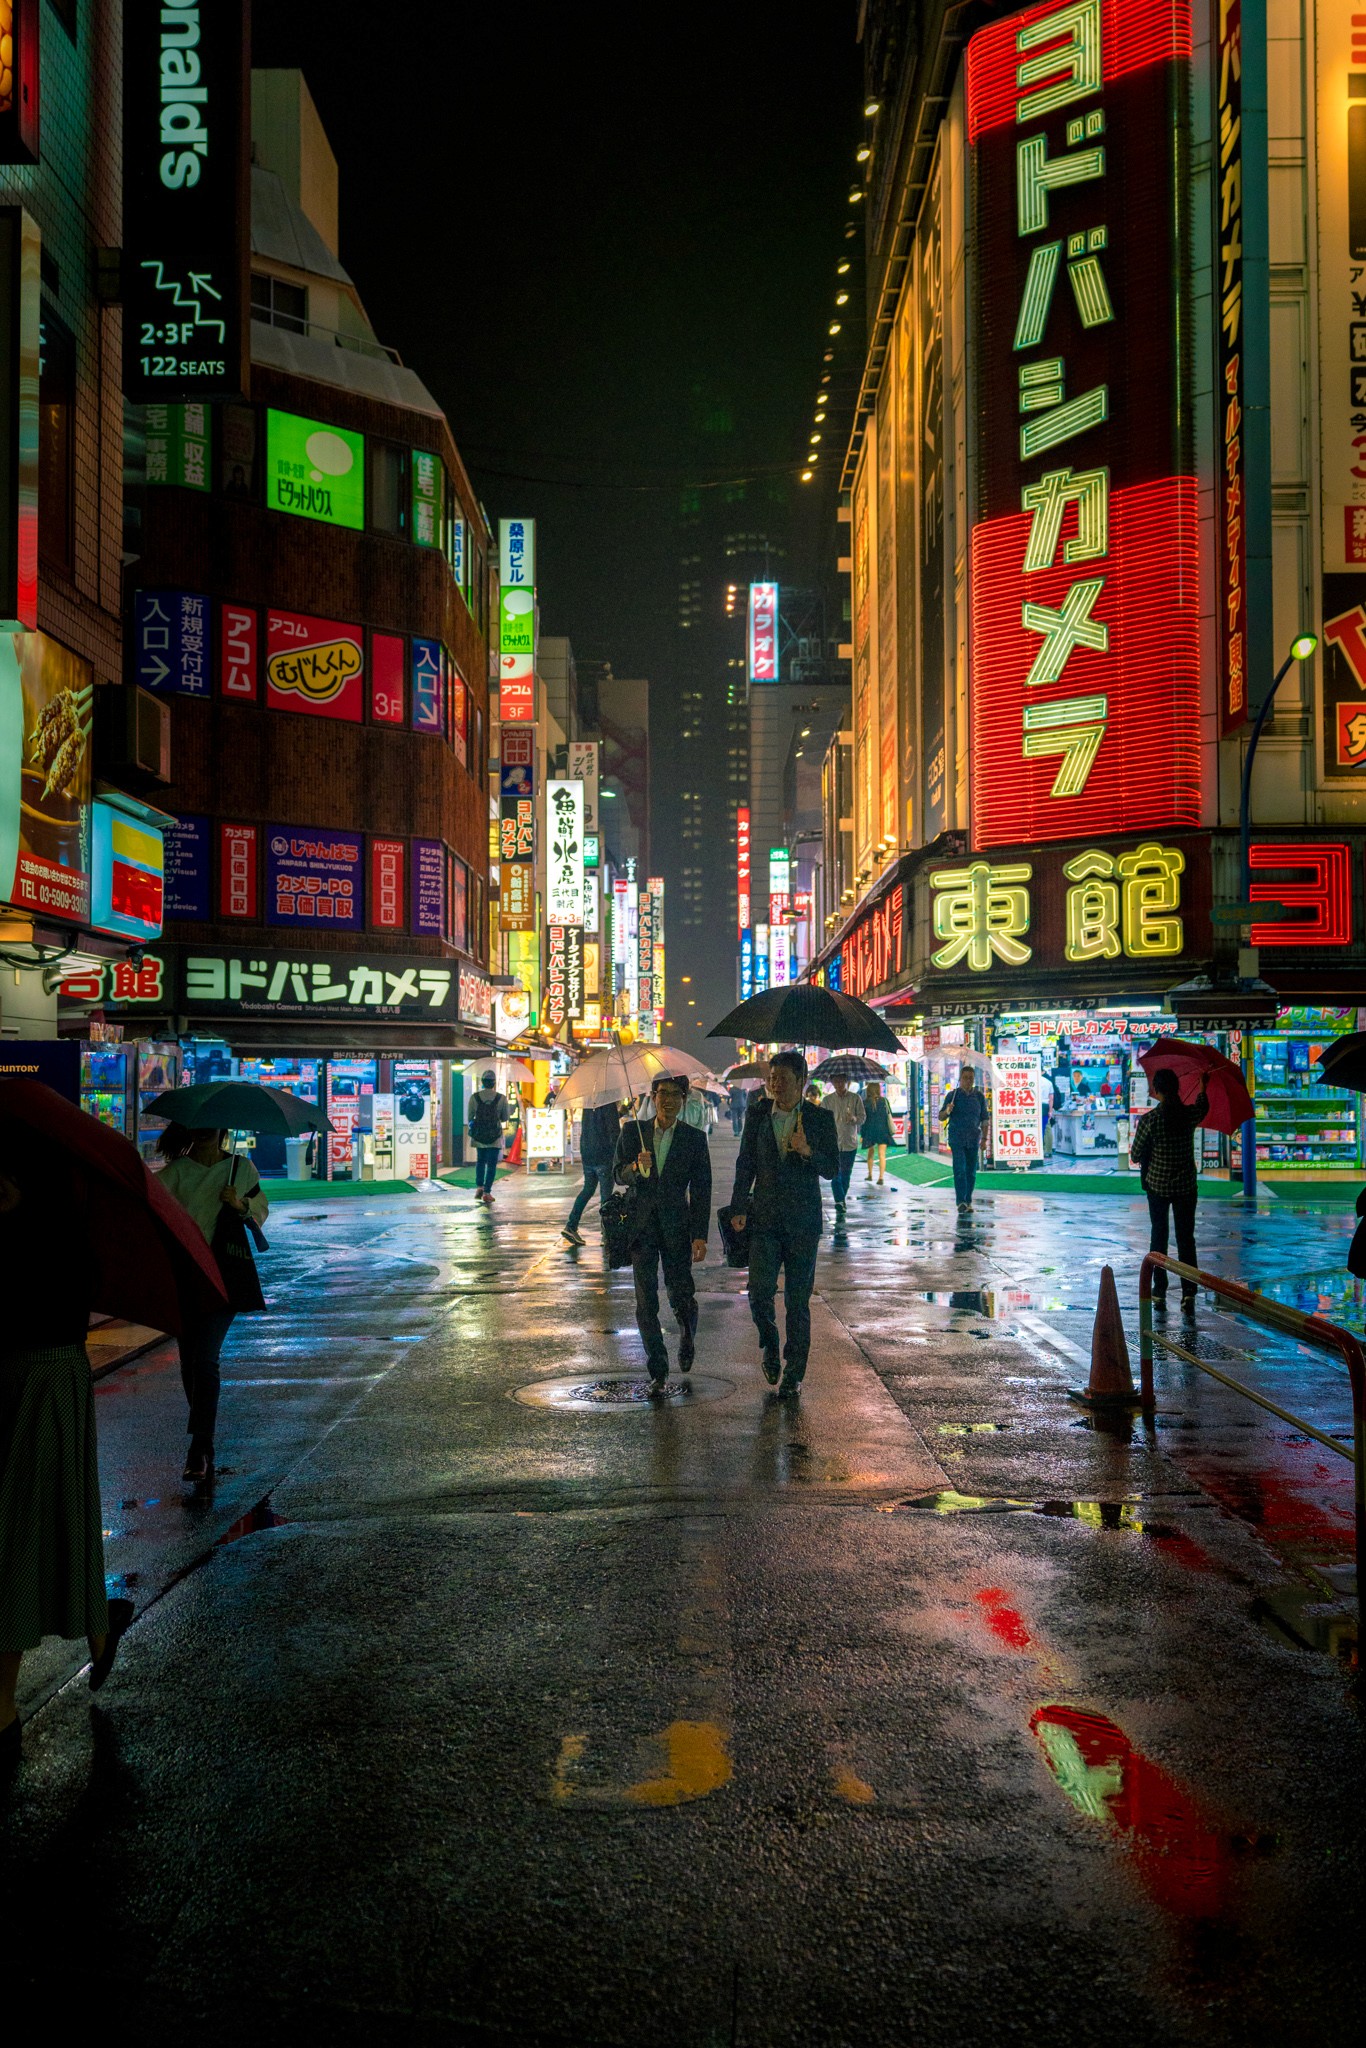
(669, 1166)
(788, 1148)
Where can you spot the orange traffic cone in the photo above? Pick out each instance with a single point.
(1111, 1384)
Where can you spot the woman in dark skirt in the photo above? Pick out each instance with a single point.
(51, 1545)
(877, 1129)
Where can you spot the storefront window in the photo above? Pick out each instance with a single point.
(1303, 1126)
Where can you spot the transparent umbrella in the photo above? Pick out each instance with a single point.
(627, 1071)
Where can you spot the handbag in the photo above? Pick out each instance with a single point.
(618, 1215)
(734, 1243)
(241, 1282)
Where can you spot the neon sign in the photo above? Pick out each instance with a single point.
(763, 632)
(1084, 563)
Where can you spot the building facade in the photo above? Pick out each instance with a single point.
(1096, 487)
(311, 598)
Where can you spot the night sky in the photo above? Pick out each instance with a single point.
(587, 229)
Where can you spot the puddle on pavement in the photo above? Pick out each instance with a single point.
(1181, 1858)
(621, 1393)
(262, 1516)
(971, 1428)
(996, 1304)
(1096, 1514)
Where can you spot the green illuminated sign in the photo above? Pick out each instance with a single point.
(315, 471)
(516, 621)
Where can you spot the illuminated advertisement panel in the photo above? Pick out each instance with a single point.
(46, 699)
(126, 874)
(315, 471)
(238, 637)
(763, 632)
(516, 689)
(1084, 554)
(387, 864)
(517, 551)
(564, 852)
(314, 665)
(20, 352)
(742, 867)
(314, 875)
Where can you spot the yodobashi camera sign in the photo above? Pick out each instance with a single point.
(186, 210)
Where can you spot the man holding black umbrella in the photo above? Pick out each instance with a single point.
(787, 1149)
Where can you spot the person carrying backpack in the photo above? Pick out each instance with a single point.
(488, 1117)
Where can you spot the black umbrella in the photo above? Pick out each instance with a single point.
(848, 1066)
(1344, 1062)
(806, 1015)
(239, 1106)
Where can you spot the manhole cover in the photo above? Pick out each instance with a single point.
(620, 1393)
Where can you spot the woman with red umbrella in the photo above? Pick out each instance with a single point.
(82, 1227)
(1194, 1084)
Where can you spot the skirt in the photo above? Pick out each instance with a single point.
(51, 1541)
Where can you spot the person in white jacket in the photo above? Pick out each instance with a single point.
(848, 1112)
(205, 1179)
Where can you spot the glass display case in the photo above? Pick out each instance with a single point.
(105, 1090)
(1303, 1125)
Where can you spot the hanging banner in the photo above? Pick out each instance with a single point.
(1230, 497)
(742, 866)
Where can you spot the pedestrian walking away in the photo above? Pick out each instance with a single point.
(739, 1103)
(51, 1540)
(846, 1107)
(222, 1194)
(1163, 1147)
(787, 1150)
(488, 1120)
(667, 1164)
(598, 1133)
(964, 1111)
(877, 1129)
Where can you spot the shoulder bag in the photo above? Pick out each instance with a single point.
(241, 1282)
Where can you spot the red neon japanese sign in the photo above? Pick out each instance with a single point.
(1322, 889)
(1084, 560)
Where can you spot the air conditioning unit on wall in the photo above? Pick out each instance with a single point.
(132, 736)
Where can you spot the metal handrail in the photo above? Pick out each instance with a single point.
(1276, 1315)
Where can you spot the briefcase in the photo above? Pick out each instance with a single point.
(618, 1213)
(734, 1243)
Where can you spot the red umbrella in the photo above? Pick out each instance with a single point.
(1197, 1067)
(152, 1264)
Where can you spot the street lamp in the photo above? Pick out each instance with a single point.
(1301, 647)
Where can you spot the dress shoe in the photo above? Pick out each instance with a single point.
(791, 1384)
(198, 1464)
(772, 1365)
(120, 1614)
(687, 1351)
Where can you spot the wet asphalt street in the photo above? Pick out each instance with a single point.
(480, 1700)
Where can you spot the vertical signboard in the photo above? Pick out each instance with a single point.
(564, 852)
(516, 689)
(742, 868)
(386, 884)
(1084, 572)
(746, 965)
(386, 678)
(556, 993)
(20, 295)
(1341, 160)
(186, 212)
(238, 644)
(516, 552)
(1230, 397)
(864, 704)
(171, 641)
(884, 427)
(573, 970)
(763, 632)
(429, 887)
(931, 507)
(237, 871)
(583, 767)
(429, 498)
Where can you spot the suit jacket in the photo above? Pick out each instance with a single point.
(777, 1191)
(678, 1200)
(598, 1135)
